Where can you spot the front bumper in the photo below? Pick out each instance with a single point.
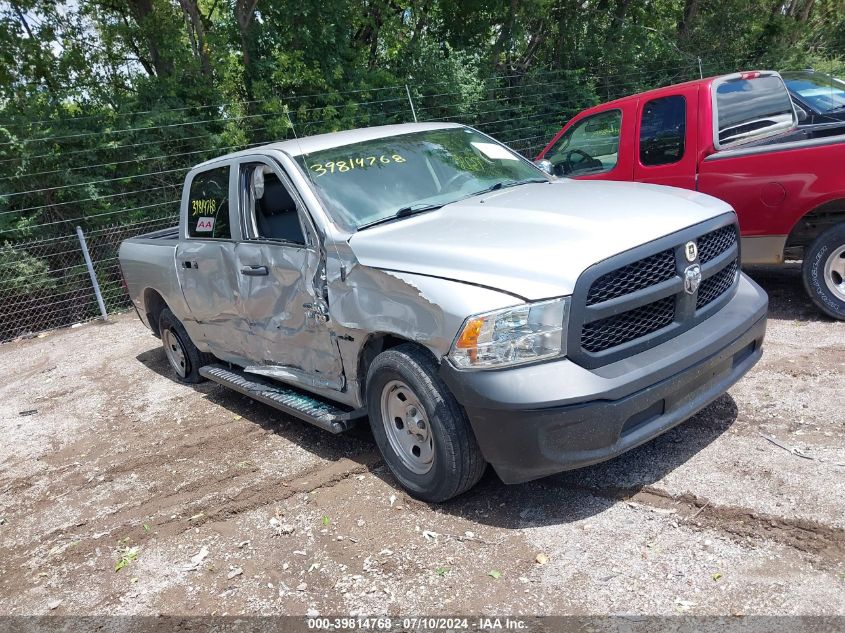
(546, 418)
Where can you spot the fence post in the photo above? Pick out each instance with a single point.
(411, 101)
(700, 71)
(84, 246)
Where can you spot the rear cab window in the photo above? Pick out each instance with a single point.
(750, 108)
(208, 205)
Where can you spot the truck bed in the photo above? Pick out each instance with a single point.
(833, 133)
(161, 235)
(148, 261)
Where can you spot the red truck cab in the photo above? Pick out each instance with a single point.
(735, 137)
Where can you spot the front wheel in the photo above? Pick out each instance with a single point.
(824, 271)
(421, 430)
(182, 355)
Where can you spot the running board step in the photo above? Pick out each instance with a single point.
(305, 406)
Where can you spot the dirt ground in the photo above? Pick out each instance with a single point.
(212, 503)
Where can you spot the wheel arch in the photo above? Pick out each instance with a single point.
(154, 303)
(375, 344)
(812, 224)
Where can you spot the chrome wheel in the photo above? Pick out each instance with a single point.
(834, 272)
(175, 352)
(406, 426)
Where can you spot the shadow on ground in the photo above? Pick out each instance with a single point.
(583, 493)
(787, 298)
(559, 499)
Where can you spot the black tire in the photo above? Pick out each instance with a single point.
(173, 333)
(816, 258)
(457, 461)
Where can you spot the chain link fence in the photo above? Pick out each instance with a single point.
(45, 284)
(106, 182)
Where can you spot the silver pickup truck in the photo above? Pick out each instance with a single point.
(474, 308)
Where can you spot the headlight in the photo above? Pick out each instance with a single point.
(512, 336)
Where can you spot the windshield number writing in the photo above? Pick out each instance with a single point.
(362, 162)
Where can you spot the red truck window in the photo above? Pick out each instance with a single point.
(208, 205)
(751, 108)
(663, 130)
(591, 146)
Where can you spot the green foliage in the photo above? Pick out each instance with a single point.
(125, 556)
(104, 105)
(22, 272)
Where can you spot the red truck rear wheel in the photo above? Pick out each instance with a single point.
(824, 271)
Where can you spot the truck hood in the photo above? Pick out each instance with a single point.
(534, 240)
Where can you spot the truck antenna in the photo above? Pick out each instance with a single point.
(302, 153)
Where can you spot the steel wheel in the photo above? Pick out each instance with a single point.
(834, 272)
(420, 428)
(175, 352)
(406, 427)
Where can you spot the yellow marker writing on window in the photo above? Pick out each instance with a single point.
(351, 163)
(203, 206)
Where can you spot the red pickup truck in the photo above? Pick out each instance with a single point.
(735, 137)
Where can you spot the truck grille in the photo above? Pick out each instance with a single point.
(715, 243)
(637, 299)
(714, 287)
(615, 330)
(625, 280)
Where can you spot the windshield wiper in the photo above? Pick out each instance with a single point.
(421, 207)
(404, 212)
(506, 183)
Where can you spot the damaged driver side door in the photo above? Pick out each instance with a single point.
(282, 282)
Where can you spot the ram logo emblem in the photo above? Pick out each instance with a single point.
(692, 279)
(691, 251)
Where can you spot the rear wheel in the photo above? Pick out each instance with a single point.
(824, 271)
(182, 355)
(421, 430)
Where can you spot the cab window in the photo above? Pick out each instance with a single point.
(271, 210)
(591, 146)
(208, 205)
(663, 130)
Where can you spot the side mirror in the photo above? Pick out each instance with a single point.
(546, 166)
(801, 113)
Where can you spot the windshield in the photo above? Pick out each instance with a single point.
(364, 183)
(821, 92)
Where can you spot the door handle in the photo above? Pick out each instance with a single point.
(189, 264)
(255, 271)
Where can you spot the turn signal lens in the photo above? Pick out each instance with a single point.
(469, 335)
